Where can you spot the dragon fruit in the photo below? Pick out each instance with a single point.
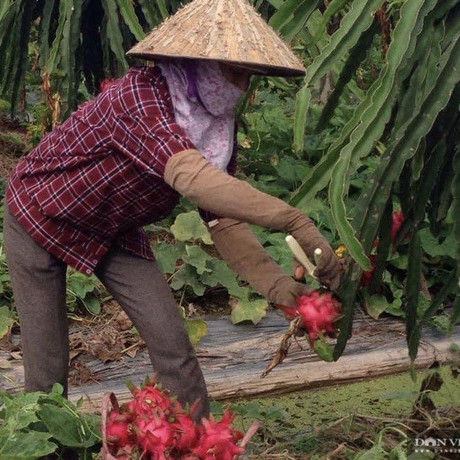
(317, 312)
(367, 276)
(119, 428)
(155, 436)
(106, 84)
(151, 401)
(218, 439)
(187, 433)
(154, 426)
(398, 220)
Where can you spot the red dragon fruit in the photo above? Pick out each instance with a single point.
(218, 439)
(186, 432)
(151, 401)
(154, 426)
(398, 220)
(317, 312)
(155, 436)
(367, 276)
(106, 84)
(119, 428)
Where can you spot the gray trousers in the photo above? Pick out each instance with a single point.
(39, 287)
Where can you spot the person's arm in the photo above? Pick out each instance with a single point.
(239, 247)
(211, 189)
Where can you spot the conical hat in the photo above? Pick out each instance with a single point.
(229, 31)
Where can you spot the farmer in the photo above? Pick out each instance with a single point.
(122, 161)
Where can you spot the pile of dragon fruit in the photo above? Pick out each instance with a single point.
(154, 426)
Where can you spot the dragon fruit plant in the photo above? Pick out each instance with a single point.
(154, 426)
(397, 223)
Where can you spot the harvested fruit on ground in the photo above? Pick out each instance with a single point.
(155, 426)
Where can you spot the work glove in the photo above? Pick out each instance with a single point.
(239, 247)
(219, 193)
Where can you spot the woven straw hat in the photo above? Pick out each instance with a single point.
(229, 31)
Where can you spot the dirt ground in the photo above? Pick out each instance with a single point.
(14, 142)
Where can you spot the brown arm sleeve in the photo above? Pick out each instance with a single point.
(239, 247)
(217, 192)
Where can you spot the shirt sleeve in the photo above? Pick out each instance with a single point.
(144, 124)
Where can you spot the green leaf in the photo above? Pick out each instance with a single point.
(378, 105)
(301, 110)
(187, 276)
(20, 410)
(334, 7)
(25, 445)
(150, 13)
(221, 273)
(248, 310)
(196, 328)
(356, 55)
(372, 454)
(6, 320)
(405, 144)
(45, 27)
(376, 305)
(292, 16)
(66, 426)
(197, 258)
(92, 304)
(432, 247)
(163, 10)
(189, 226)
(114, 33)
(395, 308)
(167, 255)
(282, 255)
(399, 261)
(129, 15)
(354, 23)
(80, 284)
(324, 350)
(291, 170)
(347, 294)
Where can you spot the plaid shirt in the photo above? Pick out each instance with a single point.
(97, 179)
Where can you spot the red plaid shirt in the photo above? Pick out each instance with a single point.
(98, 178)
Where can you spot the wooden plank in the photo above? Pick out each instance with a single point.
(234, 356)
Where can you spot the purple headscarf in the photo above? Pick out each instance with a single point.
(204, 104)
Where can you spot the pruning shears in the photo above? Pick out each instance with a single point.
(303, 259)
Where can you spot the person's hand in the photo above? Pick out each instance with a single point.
(329, 270)
(300, 272)
(287, 291)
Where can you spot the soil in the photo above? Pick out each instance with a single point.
(14, 142)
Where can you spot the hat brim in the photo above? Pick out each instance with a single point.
(255, 68)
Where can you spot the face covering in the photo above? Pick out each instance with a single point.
(204, 104)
